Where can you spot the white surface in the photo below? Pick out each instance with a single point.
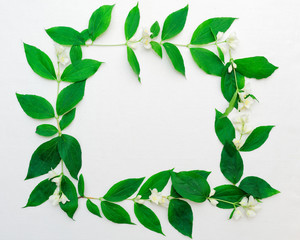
(130, 130)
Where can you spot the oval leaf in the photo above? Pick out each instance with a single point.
(81, 185)
(67, 119)
(45, 158)
(115, 213)
(35, 106)
(175, 57)
(180, 216)
(93, 208)
(231, 164)
(156, 48)
(100, 21)
(224, 128)
(123, 189)
(65, 36)
(131, 57)
(257, 187)
(257, 138)
(41, 193)
(191, 185)
(39, 62)
(80, 71)
(147, 218)
(132, 22)
(68, 188)
(174, 23)
(207, 61)
(46, 130)
(69, 97)
(155, 29)
(70, 152)
(75, 54)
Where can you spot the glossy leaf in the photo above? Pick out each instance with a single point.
(228, 193)
(39, 62)
(180, 216)
(131, 57)
(156, 48)
(257, 187)
(174, 23)
(70, 152)
(155, 29)
(123, 189)
(69, 190)
(41, 193)
(147, 218)
(231, 164)
(67, 119)
(46, 130)
(75, 54)
(224, 128)
(35, 106)
(45, 158)
(175, 57)
(132, 22)
(221, 54)
(191, 185)
(115, 213)
(93, 208)
(257, 138)
(85, 35)
(207, 61)
(69, 97)
(255, 67)
(65, 36)
(80, 71)
(205, 31)
(158, 181)
(81, 185)
(99, 21)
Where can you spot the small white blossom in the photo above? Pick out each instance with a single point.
(139, 200)
(213, 202)
(238, 143)
(232, 41)
(146, 39)
(237, 213)
(244, 103)
(230, 68)
(59, 49)
(240, 123)
(63, 198)
(62, 54)
(52, 174)
(157, 198)
(58, 197)
(212, 192)
(164, 201)
(220, 36)
(250, 205)
(132, 43)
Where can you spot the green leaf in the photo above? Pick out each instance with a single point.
(175, 57)
(81, 185)
(228, 193)
(65, 36)
(224, 128)
(39, 62)
(229, 84)
(93, 208)
(204, 32)
(191, 185)
(41, 193)
(123, 189)
(156, 48)
(68, 188)
(257, 187)
(46, 130)
(35, 106)
(75, 54)
(80, 71)
(115, 213)
(180, 216)
(132, 22)
(257, 138)
(221, 54)
(147, 218)
(67, 119)
(174, 194)
(255, 67)
(207, 61)
(69, 97)
(45, 158)
(174, 23)
(231, 164)
(100, 21)
(155, 29)
(131, 57)
(70, 152)
(158, 181)
(85, 35)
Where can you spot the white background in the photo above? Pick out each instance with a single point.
(127, 129)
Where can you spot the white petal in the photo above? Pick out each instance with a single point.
(234, 65)
(52, 174)
(252, 201)
(230, 69)
(213, 202)
(220, 36)
(237, 214)
(212, 192)
(244, 202)
(64, 199)
(250, 213)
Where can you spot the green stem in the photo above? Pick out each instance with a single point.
(105, 45)
(220, 200)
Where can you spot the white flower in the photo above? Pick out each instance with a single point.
(231, 66)
(62, 54)
(232, 41)
(52, 174)
(59, 49)
(139, 200)
(220, 36)
(146, 39)
(155, 196)
(245, 103)
(250, 205)
(212, 192)
(213, 201)
(63, 198)
(58, 197)
(132, 43)
(237, 213)
(241, 119)
(237, 142)
(240, 123)
(164, 201)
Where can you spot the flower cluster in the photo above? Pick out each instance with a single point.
(145, 40)
(249, 206)
(57, 196)
(62, 54)
(159, 199)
